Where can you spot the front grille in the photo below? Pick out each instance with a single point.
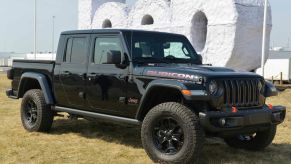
(241, 93)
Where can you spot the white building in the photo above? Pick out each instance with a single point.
(41, 56)
(278, 63)
(6, 58)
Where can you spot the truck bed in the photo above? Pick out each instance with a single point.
(19, 67)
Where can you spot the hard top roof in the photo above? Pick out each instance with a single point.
(110, 30)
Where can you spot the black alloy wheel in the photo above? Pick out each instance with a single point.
(30, 112)
(36, 115)
(171, 133)
(168, 136)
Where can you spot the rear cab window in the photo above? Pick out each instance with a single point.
(76, 50)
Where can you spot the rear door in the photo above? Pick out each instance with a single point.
(73, 70)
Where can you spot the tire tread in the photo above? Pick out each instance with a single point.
(45, 114)
(192, 123)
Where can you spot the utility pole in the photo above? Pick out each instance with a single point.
(53, 37)
(264, 38)
(35, 13)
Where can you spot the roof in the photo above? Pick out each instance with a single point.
(110, 30)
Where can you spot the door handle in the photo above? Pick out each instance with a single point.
(83, 76)
(93, 73)
(92, 76)
(67, 73)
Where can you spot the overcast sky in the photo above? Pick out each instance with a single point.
(16, 27)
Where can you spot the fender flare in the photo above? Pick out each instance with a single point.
(173, 84)
(270, 90)
(42, 80)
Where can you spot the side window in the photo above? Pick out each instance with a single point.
(79, 50)
(103, 46)
(76, 50)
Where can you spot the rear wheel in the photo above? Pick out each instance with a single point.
(255, 142)
(36, 115)
(171, 133)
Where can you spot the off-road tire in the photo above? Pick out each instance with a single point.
(260, 141)
(193, 134)
(44, 118)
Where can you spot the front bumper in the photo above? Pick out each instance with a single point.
(242, 121)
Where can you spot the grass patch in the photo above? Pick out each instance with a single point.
(82, 141)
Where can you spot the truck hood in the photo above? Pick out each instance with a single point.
(190, 72)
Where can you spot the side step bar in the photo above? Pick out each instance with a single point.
(104, 117)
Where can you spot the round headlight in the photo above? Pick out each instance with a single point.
(213, 87)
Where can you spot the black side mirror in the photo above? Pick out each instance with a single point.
(125, 61)
(166, 45)
(114, 57)
(200, 59)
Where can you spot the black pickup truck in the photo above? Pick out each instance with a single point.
(152, 79)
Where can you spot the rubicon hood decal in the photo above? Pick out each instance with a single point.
(171, 75)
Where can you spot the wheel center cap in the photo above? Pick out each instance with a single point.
(168, 134)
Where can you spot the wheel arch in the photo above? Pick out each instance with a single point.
(31, 80)
(167, 90)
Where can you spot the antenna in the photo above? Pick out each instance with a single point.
(264, 38)
(35, 26)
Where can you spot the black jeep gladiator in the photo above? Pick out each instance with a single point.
(152, 79)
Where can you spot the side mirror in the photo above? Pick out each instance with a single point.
(200, 59)
(113, 57)
(125, 61)
(166, 45)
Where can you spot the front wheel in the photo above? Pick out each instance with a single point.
(171, 133)
(255, 142)
(36, 116)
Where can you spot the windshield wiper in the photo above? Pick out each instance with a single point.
(178, 60)
(151, 60)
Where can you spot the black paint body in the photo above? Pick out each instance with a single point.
(125, 89)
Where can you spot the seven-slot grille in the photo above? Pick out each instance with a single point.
(241, 93)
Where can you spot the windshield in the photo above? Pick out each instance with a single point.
(162, 48)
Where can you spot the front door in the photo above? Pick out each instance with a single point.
(106, 84)
(73, 71)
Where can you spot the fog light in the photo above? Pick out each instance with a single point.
(222, 121)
